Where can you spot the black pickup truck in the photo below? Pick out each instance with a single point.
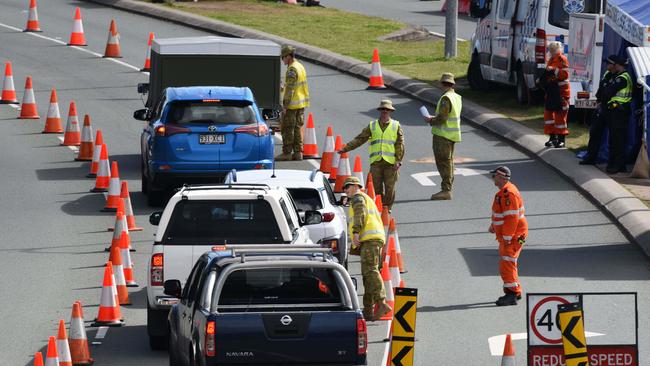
(262, 305)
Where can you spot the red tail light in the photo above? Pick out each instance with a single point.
(210, 339)
(362, 336)
(157, 270)
(328, 216)
(171, 129)
(259, 129)
(540, 46)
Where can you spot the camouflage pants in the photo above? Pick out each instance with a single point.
(443, 151)
(292, 121)
(372, 284)
(384, 178)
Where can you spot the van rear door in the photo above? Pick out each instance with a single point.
(501, 61)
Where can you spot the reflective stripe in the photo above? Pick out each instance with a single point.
(508, 259)
(549, 122)
(510, 212)
(510, 284)
(560, 126)
(556, 71)
(298, 102)
(453, 119)
(382, 153)
(495, 214)
(563, 83)
(368, 232)
(507, 237)
(497, 223)
(382, 142)
(449, 129)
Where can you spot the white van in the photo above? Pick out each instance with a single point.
(509, 44)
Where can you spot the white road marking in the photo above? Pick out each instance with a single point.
(14, 106)
(101, 333)
(496, 343)
(384, 358)
(425, 180)
(73, 148)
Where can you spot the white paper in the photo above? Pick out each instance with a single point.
(424, 112)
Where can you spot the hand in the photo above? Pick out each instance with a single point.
(428, 119)
(491, 229)
(397, 166)
(355, 240)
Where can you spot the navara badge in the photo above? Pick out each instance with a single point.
(286, 320)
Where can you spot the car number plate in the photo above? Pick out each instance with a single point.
(586, 103)
(212, 139)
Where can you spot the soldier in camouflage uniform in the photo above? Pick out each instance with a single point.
(386, 151)
(294, 101)
(367, 231)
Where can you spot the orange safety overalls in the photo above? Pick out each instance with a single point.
(555, 122)
(511, 230)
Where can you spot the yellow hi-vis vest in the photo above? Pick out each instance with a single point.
(300, 97)
(382, 143)
(450, 129)
(624, 95)
(373, 228)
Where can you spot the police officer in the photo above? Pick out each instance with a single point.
(445, 127)
(599, 122)
(294, 101)
(511, 229)
(386, 151)
(618, 95)
(367, 231)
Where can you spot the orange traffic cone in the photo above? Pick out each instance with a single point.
(392, 230)
(147, 60)
(113, 42)
(28, 109)
(342, 173)
(395, 276)
(328, 153)
(8, 89)
(128, 209)
(78, 341)
(113, 190)
(390, 298)
(376, 78)
(125, 250)
(32, 19)
(52, 356)
(38, 359)
(72, 136)
(370, 187)
(336, 158)
(53, 120)
(77, 37)
(97, 150)
(118, 271)
(87, 144)
(109, 308)
(357, 171)
(102, 181)
(508, 358)
(62, 346)
(310, 147)
(379, 203)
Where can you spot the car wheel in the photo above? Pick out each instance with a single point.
(474, 75)
(522, 88)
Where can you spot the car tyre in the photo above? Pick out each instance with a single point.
(522, 88)
(474, 75)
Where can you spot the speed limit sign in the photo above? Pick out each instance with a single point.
(543, 326)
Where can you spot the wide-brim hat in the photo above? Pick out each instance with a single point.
(287, 50)
(386, 104)
(352, 180)
(447, 78)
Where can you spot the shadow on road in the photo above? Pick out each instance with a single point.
(476, 305)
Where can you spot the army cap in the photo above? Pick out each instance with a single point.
(503, 171)
(617, 60)
(287, 50)
(447, 78)
(352, 180)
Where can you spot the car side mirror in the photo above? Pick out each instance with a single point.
(143, 88)
(154, 218)
(141, 114)
(313, 217)
(173, 288)
(270, 113)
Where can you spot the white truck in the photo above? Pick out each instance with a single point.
(199, 218)
(510, 41)
(585, 57)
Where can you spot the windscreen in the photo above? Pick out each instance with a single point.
(224, 112)
(559, 17)
(273, 286)
(195, 222)
(306, 199)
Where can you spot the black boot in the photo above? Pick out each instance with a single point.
(551, 140)
(510, 298)
(559, 142)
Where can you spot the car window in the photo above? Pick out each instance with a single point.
(287, 215)
(199, 222)
(273, 286)
(225, 112)
(189, 291)
(558, 16)
(158, 110)
(507, 7)
(328, 190)
(306, 199)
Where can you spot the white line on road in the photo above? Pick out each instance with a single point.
(425, 180)
(73, 148)
(384, 358)
(496, 343)
(101, 332)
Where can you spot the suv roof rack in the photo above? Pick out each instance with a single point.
(217, 186)
(243, 249)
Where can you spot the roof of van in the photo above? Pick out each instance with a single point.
(214, 45)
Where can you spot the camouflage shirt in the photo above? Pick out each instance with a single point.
(358, 204)
(441, 117)
(365, 135)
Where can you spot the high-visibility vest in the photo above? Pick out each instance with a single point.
(300, 97)
(624, 95)
(382, 143)
(373, 228)
(450, 129)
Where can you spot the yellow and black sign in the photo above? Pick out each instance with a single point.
(403, 339)
(573, 334)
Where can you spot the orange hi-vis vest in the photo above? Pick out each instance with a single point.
(560, 66)
(508, 214)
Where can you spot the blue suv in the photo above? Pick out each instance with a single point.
(198, 134)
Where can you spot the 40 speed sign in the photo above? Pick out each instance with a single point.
(543, 324)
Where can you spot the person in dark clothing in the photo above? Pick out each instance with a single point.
(599, 120)
(618, 94)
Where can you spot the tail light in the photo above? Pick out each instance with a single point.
(540, 46)
(157, 270)
(332, 243)
(259, 129)
(210, 339)
(328, 216)
(170, 129)
(362, 335)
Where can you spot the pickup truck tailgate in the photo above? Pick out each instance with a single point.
(327, 337)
